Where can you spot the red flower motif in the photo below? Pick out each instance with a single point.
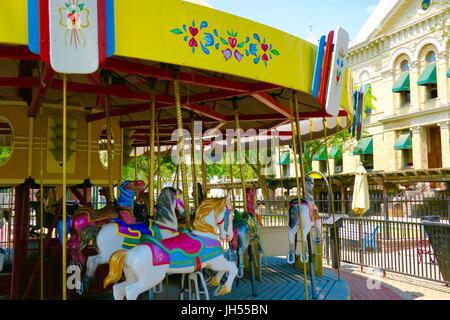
(193, 43)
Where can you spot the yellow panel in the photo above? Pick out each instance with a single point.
(13, 22)
(148, 36)
(143, 30)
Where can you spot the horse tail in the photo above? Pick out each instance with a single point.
(87, 235)
(116, 263)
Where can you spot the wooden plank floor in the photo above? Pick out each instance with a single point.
(280, 281)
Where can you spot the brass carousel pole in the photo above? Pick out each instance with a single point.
(108, 143)
(41, 236)
(159, 183)
(338, 258)
(281, 179)
(193, 166)
(294, 144)
(64, 190)
(135, 164)
(232, 180)
(151, 155)
(239, 154)
(180, 147)
(204, 172)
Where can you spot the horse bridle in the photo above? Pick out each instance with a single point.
(178, 200)
(225, 219)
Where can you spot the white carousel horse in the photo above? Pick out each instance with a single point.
(311, 223)
(115, 236)
(148, 264)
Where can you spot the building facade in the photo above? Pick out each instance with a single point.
(402, 56)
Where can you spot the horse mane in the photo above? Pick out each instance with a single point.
(207, 206)
(164, 211)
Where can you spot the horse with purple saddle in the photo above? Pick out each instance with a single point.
(183, 251)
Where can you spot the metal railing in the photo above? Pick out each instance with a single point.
(7, 229)
(384, 239)
(393, 246)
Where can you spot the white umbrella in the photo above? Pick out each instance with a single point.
(360, 203)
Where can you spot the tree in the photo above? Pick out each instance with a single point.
(442, 24)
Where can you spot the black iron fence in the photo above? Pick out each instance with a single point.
(394, 237)
(407, 248)
(407, 209)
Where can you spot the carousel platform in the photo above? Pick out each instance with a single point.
(280, 281)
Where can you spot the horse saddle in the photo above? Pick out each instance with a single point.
(184, 251)
(312, 208)
(135, 234)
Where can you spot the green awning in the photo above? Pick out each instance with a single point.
(402, 84)
(321, 155)
(404, 142)
(336, 152)
(365, 146)
(448, 73)
(428, 75)
(285, 159)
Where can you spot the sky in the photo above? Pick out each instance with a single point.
(295, 16)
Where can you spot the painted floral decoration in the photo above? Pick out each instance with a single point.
(231, 46)
(262, 50)
(341, 64)
(191, 36)
(72, 16)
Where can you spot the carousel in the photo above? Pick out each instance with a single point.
(86, 85)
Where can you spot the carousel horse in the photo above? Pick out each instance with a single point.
(87, 217)
(246, 227)
(118, 235)
(147, 265)
(310, 221)
(50, 205)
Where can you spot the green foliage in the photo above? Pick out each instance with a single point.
(441, 23)
(167, 169)
(5, 153)
(369, 98)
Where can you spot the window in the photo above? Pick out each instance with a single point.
(367, 161)
(338, 165)
(431, 57)
(323, 167)
(404, 66)
(407, 159)
(286, 171)
(432, 92)
(6, 140)
(405, 98)
(431, 88)
(402, 85)
(103, 147)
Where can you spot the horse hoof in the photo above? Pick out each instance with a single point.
(240, 274)
(80, 289)
(222, 291)
(304, 258)
(213, 282)
(290, 259)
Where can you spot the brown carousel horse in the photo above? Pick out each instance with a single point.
(87, 217)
